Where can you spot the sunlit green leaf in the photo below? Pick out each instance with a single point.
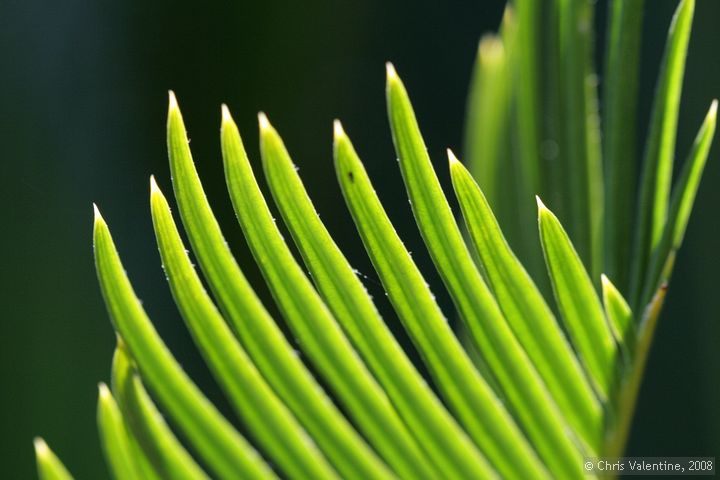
(578, 301)
(309, 318)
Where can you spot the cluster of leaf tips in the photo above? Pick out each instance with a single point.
(556, 380)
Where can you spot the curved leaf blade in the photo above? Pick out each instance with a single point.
(444, 440)
(527, 312)
(309, 318)
(258, 332)
(578, 302)
(660, 148)
(622, 72)
(526, 394)
(467, 393)
(682, 202)
(225, 451)
(272, 425)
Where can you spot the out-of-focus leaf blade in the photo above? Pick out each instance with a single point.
(660, 149)
(442, 438)
(528, 314)
(622, 68)
(683, 198)
(467, 393)
(49, 466)
(580, 137)
(159, 443)
(578, 301)
(226, 452)
(322, 339)
(268, 419)
(258, 332)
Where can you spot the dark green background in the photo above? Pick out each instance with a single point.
(83, 87)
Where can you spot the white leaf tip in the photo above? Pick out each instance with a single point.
(541, 206)
(41, 447)
(712, 113)
(172, 101)
(338, 130)
(96, 213)
(452, 159)
(390, 71)
(154, 189)
(225, 113)
(263, 121)
(103, 391)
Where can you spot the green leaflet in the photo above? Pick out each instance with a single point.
(126, 460)
(488, 111)
(264, 414)
(527, 312)
(446, 443)
(49, 467)
(259, 334)
(526, 394)
(474, 403)
(683, 198)
(223, 449)
(578, 302)
(622, 68)
(159, 443)
(309, 318)
(619, 315)
(660, 149)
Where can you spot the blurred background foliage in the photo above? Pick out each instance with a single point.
(83, 91)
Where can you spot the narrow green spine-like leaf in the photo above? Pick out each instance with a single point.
(660, 149)
(268, 419)
(496, 342)
(444, 440)
(578, 301)
(122, 458)
(163, 449)
(259, 333)
(225, 451)
(473, 401)
(528, 314)
(49, 467)
(622, 71)
(309, 318)
(683, 198)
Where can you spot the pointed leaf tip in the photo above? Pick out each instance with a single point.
(41, 448)
(103, 391)
(154, 189)
(604, 280)
(452, 159)
(226, 117)
(390, 70)
(172, 101)
(263, 121)
(96, 213)
(338, 130)
(712, 113)
(541, 206)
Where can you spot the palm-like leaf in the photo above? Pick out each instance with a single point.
(540, 401)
